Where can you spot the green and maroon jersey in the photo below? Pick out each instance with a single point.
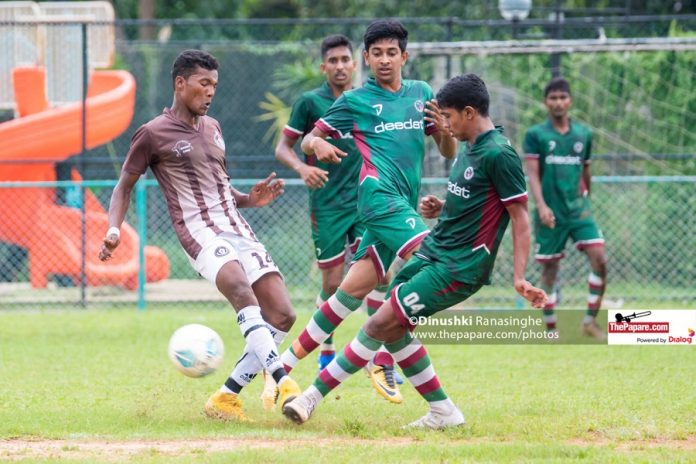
(562, 158)
(484, 179)
(341, 191)
(389, 130)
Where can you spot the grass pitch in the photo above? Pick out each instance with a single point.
(97, 386)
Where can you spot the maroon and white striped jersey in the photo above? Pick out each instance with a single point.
(189, 165)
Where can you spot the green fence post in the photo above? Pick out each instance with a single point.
(141, 211)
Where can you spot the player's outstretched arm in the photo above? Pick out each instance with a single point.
(431, 206)
(314, 143)
(446, 144)
(261, 194)
(520, 250)
(312, 176)
(120, 200)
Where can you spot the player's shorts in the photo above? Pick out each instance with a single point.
(550, 243)
(226, 247)
(394, 228)
(423, 288)
(331, 232)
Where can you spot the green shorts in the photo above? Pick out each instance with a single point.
(550, 243)
(332, 231)
(393, 228)
(423, 288)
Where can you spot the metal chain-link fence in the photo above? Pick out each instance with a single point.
(649, 224)
(641, 106)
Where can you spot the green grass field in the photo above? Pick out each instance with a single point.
(97, 386)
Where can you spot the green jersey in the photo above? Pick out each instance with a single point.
(389, 131)
(484, 179)
(562, 158)
(341, 191)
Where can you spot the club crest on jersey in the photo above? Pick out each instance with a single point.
(378, 108)
(418, 104)
(577, 148)
(222, 251)
(182, 147)
(217, 138)
(469, 173)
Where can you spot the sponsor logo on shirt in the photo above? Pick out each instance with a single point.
(552, 145)
(399, 125)
(568, 160)
(378, 108)
(460, 191)
(182, 147)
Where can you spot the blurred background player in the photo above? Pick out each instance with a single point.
(186, 152)
(558, 166)
(388, 118)
(486, 189)
(333, 188)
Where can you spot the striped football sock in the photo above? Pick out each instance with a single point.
(323, 323)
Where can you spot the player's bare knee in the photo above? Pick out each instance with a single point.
(282, 319)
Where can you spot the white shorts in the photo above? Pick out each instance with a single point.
(222, 249)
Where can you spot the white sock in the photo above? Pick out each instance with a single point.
(259, 338)
(442, 407)
(248, 365)
(313, 393)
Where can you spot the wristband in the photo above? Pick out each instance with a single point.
(114, 230)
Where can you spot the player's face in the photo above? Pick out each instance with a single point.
(459, 122)
(338, 65)
(196, 92)
(558, 103)
(385, 59)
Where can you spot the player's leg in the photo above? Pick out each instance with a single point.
(361, 278)
(588, 238)
(390, 326)
(330, 280)
(550, 244)
(233, 265)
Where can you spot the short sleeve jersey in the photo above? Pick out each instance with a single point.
(562, 158)
(189, 165)
(389, 130)
(341, 191)
(484, 179)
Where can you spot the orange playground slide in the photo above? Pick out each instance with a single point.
(31, 145)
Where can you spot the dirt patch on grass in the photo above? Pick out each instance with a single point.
(119, 450)
(116, 450)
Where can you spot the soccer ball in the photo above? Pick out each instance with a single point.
(196, 350)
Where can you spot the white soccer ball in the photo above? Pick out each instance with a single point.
(196, 350)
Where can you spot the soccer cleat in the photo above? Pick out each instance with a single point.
(299, 409)
(225, 406)
(397, 378)
(269, 395)
(438, 421)
(592, 329)
(382, 378)
(287, 391)
(325, 358)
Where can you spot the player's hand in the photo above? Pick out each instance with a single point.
(312, 176)
(431, 206)
(327, 153)
(110, 243)
(433, 115)
(529, 292)
(266, 191)
(546, 216)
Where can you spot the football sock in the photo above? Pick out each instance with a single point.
(248, 365)
(327, 346)
(596, 286)
(549, 310)
(324, 321)
(260, 341)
